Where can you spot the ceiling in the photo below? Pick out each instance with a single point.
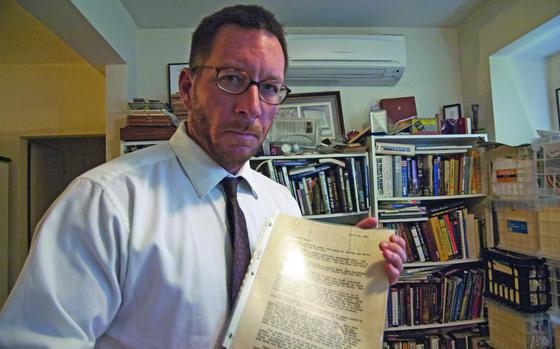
(311, 13)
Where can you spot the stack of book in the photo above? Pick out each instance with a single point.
(462, 337)
(446, 296)
(409, 173)
(178, 107)
(324, 185)
(147, 120)
(147, 113)
(447, 231)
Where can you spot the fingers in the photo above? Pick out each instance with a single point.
(394, 254)
(393, 273)
(397, 246)
(367, 223)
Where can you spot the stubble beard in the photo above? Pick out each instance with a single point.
(229, 158)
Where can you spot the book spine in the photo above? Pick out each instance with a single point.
(324, 192)
(404, 177)
(380, 180)
(271, 171)
(366, 182)
(354, 177)
(348, 191)
(419, 241)
(388, 175)
(341, 189)
(429, 239)
(397, 176)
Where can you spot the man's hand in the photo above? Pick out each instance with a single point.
(393, 251)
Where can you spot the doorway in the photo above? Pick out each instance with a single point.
(53, 163)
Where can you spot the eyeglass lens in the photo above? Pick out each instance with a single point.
(234, 81)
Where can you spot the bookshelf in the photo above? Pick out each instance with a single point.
(426, 188)
(328, 187)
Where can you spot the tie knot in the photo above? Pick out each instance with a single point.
(230, 186)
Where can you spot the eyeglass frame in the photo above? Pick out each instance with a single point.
(251, 82)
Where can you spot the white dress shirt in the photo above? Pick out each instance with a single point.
(135, 254)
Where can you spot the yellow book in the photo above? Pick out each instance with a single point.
(434, 226)
(444, 232)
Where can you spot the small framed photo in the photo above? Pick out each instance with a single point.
(173, 72)
(452, 112)
(322, 107)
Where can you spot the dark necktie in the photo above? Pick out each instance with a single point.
(238, 235)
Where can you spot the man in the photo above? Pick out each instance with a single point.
(136, 253)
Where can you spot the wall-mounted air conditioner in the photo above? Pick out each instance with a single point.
(335, 59)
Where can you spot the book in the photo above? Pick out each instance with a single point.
(394, 148)
(328, 276)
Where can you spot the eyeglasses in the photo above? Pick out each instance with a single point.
(236, 82)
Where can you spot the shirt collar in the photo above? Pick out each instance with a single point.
(203, 171)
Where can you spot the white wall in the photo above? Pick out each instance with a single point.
(493, 26)
(431, 75)
(520, 98)
(112, 21)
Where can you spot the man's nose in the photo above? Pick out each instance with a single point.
(249, 103)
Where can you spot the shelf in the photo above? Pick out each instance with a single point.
(436, 325)
(334, 215)
(441, 263)
(426, 198)
(306, 156)
(431, 139)
(401, 220)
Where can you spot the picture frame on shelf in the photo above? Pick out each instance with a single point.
(452, 111)
(173, 72)
(323, 107)
(451, 116)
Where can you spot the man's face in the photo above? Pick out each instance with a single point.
(232, 127)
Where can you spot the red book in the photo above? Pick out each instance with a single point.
(449, 226)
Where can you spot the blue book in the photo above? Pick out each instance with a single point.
(415, 182)
(312, 170)
(404, 176)
(436, 175)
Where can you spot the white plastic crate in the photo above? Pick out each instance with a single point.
(547, 164)
(510, 329)
(518, 227)
(513, 172)
(548, 216)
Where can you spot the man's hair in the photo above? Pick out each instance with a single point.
(245, 16)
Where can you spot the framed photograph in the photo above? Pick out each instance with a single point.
(173, 72)
(558, 104)
(322, 107)
(452, 112)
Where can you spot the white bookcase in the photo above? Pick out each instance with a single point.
(415, 183)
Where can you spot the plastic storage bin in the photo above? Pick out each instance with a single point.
(547, 164)
(513, 172)
(518, 227)
(548, 217)
(510, 329)
(519, 281)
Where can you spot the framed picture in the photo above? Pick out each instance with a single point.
(452, 112)
(173, 72)
(558, 104)
(322, 107)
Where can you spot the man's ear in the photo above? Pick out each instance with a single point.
(185, 85)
